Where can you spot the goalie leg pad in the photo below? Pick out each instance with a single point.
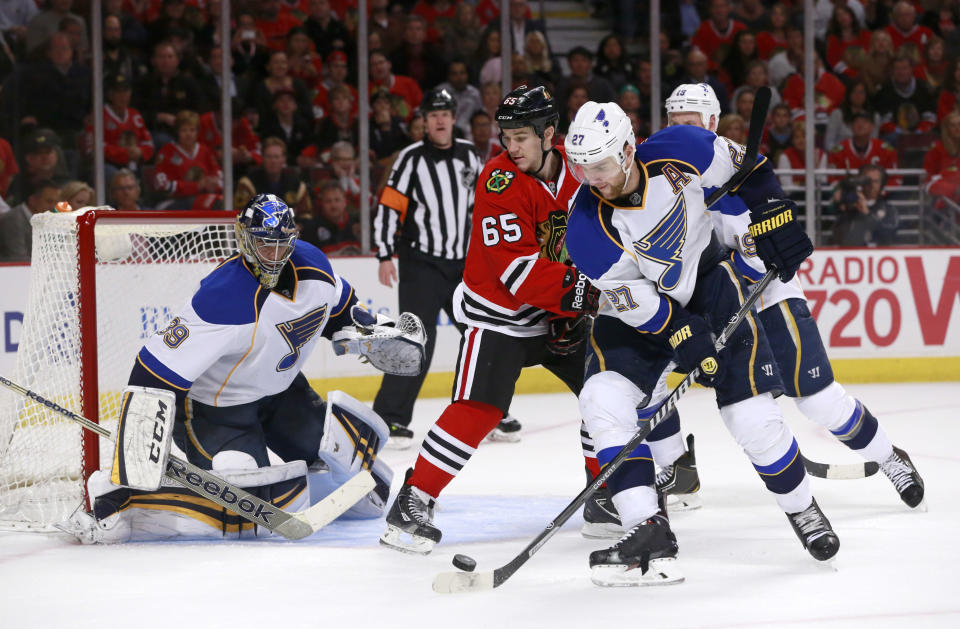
(143, 437)
(371, 506)
(122, 515)
(353, 434)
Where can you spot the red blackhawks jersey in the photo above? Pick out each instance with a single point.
(178, 171)
(120, 131)
(243, 135)
(516, 262)
(845, 155)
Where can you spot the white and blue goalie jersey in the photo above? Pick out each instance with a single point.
(237, 341)
(650, 248)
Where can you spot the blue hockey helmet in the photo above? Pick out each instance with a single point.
(266, 234)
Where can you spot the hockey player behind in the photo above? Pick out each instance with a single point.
(640, 232)
(229, 363)
(793, 334)
(520, 301)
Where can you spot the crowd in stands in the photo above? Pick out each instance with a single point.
(887, 88)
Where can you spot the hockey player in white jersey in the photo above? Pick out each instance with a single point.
(230, 362)
(792, 332)
(639, 230)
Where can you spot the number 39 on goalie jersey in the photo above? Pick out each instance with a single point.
(650, 246)
(236, 341)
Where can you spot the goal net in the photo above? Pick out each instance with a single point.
(101, 283)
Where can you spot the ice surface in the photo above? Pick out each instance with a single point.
(744, 567)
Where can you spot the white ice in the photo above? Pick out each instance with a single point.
(744, 567)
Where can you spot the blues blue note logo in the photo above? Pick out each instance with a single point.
(298, 333)
(602, 117)
(664, 244)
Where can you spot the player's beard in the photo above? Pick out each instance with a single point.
(613, 189)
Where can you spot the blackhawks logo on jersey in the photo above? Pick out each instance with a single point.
(551, 234)
(499, 180)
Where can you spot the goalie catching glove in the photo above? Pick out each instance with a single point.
(782, 244)
(393, 347)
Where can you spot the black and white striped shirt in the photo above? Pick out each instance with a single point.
(428, 199)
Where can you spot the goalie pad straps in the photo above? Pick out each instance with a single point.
(144, 436)
(353, 434)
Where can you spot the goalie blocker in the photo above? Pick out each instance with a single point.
(144, 435)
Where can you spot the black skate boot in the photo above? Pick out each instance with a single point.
(813, 529)
(600, 517)
(401, 437)
(680, 481)
(411, 514)
(646, 555)
(904, 475)
(507, 431)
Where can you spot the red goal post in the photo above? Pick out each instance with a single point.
(101, 282)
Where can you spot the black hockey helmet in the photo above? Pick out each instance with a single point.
(438, 99)
(528, 107)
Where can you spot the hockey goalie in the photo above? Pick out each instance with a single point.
(222, 381)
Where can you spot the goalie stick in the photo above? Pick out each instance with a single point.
(207, 485)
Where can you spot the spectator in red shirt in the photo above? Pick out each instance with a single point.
(777, 136)
(246, 144)
(436, 14)
(862, 148)
(8, 166)
(188, 173)
(942, 162)
(274, 24)
(715, 36)
(333, 229)
(416, 57)
(904, 30)
(774, 39)
(840, 120)
(336, 71)
(403, 86)
(126, 141)
(794, 157)
(828, 92)
(305, 64)
(481, 129)
(846, 40)
(951, 89)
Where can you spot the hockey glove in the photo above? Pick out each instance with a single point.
(693, 347)
(566, 335)
(581, 296)
(781, 241)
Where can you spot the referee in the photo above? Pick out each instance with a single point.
(424, 219)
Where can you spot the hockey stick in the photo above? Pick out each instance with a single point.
(833, 471)
(450, 582)
(456, 582)
(243, 503)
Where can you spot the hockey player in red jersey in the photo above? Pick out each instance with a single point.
(520, 300)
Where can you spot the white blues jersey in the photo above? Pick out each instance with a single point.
(649, 247)
(237, 341)
(731, 220)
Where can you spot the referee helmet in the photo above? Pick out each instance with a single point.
(438, 99)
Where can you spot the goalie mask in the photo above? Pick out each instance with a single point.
(597, 146)
(266, 234)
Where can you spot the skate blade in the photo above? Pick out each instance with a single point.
(601, 530)
(683, 502)
(498, 436)
(922, 507)
(398, 443)
(396, 539)
(660, 572)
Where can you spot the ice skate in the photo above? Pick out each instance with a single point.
(600, 517)
(813, 529)
(646, 555)
(507, 431)
(81, 525)
(401, 438)
(680, 481)
(905, 478)
(409, 522)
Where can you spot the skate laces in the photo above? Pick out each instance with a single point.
(898, 471)
(665, 475)
(810, 520)
(417, 508)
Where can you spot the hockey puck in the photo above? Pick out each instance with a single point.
(464, 563)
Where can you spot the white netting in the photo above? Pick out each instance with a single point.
(145, 273)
